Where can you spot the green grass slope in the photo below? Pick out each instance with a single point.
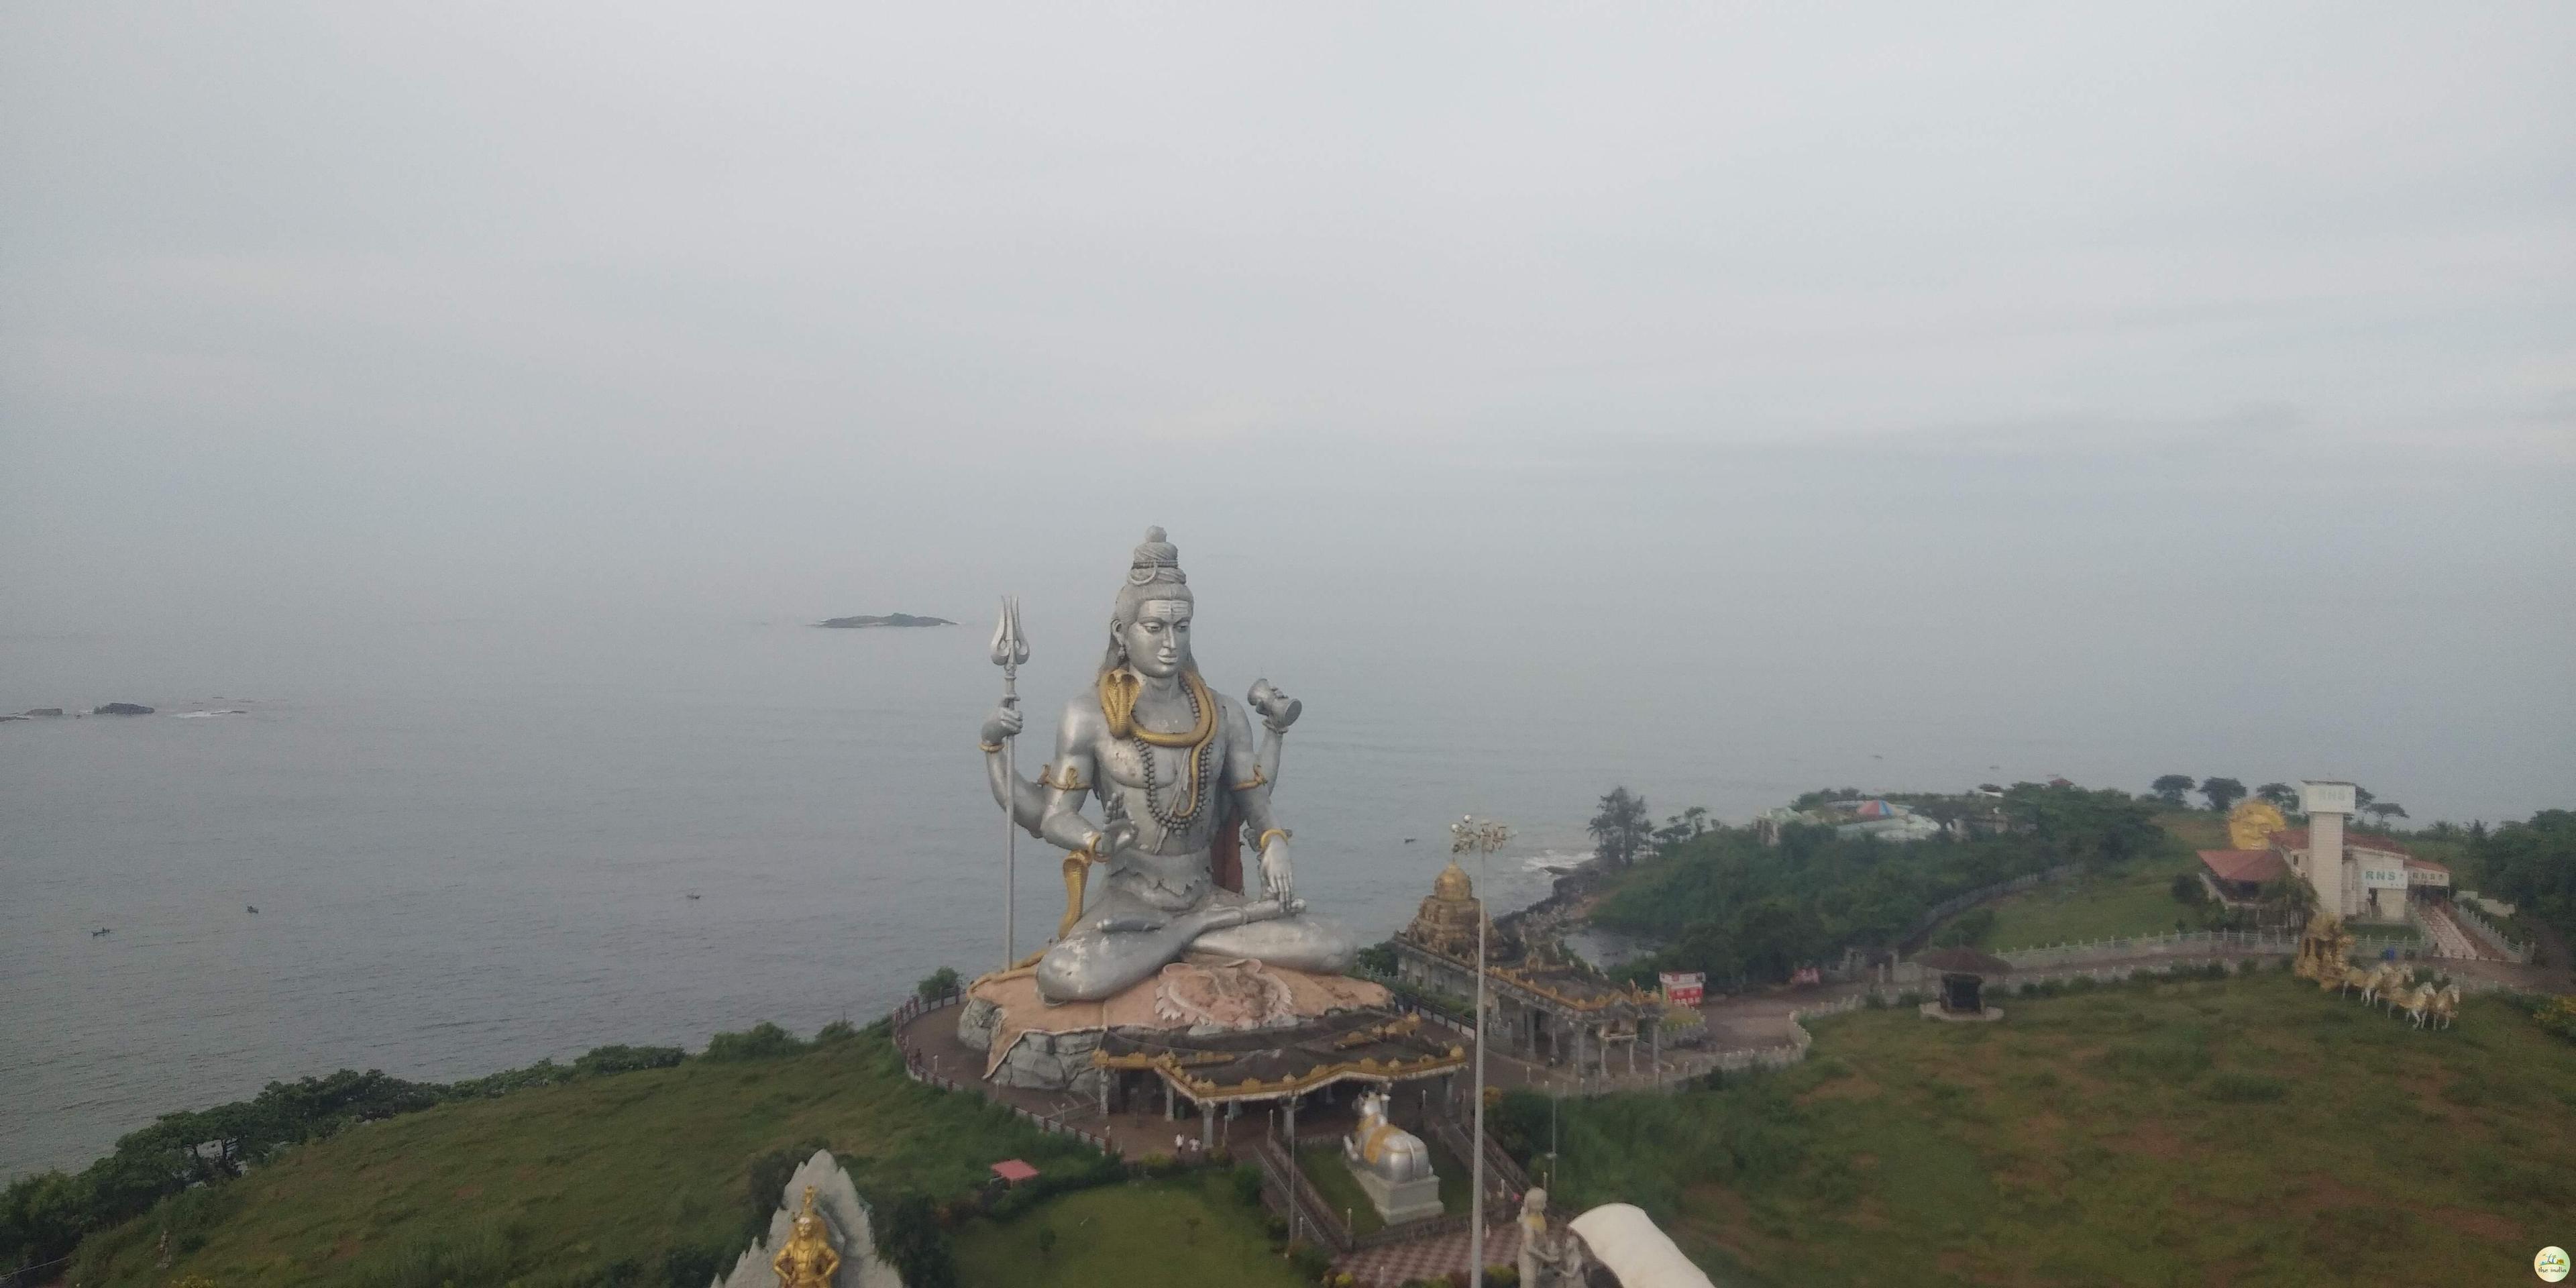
(2103, 905)
(615, 1180)
(1180, 1232)
(2133, 899)
(2250, 1131)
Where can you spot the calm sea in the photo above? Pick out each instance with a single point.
(474, 844)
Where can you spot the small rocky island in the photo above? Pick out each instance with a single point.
(890, 619)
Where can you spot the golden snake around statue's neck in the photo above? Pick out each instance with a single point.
(1118, 690)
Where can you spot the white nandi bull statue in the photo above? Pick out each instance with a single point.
(1383, 1148)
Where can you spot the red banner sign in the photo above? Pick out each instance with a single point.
(1682, 988)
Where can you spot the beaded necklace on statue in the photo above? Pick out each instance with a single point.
(1118, 690)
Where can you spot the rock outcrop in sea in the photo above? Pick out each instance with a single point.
(120, 709)
(890, 619)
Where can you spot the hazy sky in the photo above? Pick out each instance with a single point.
(2195, 367)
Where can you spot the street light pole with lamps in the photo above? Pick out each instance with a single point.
(1482, 838)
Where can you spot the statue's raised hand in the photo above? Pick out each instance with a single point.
(1118, 836)
(1277, 709)
(1003, 723)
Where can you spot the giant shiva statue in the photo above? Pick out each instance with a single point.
(1180, 781)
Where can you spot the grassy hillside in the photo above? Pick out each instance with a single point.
(2241, 1131)
(1181, 1232)
(2136, 899)
(634, 1179)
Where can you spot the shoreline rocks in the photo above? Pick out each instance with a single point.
(120, 709)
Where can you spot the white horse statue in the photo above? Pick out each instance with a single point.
(2418, 1000)
(2446, 1006)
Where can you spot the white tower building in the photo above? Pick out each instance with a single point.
(2326, 804)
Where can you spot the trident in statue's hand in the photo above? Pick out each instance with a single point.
(1010, 649)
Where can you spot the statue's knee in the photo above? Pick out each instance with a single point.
(1064, 976)
(1333, 946)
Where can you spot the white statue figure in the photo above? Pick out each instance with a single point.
(1379, 1146)
(1180, 779)
(1392, 1165)
(1545, 1261)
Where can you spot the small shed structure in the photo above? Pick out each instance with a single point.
(1964, 972)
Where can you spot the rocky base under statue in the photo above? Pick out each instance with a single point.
(1029, 1043)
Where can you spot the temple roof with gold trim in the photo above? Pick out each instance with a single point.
(1370, 1045)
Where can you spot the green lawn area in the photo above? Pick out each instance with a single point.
(1180, 1232)
(2243, 1131)
(1324, 1166)
(2136, 900)
(575, 1184)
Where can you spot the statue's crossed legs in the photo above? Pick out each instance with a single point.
(1122, 939)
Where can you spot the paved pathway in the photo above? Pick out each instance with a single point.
(1397, 1263)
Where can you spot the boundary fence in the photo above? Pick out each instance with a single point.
(2186, 943)
(1958, 903)
(30, 1276)
(2477, 924)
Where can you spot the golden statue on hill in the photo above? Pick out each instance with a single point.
(808, 1260)
(2322, 951)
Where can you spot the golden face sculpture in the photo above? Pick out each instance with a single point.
(2251, 824)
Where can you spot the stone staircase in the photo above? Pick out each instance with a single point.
(2451, 941)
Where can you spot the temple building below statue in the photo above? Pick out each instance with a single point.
(1206, 1073)
(1548, 1007)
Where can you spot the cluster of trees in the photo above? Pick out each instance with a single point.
(1624, 829)
(1726, 903)
(2532, 864)
(42, 1217)
(2223, 793)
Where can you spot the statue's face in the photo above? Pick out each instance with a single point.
(1158, 641)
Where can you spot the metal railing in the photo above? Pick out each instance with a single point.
(1279, 1169)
